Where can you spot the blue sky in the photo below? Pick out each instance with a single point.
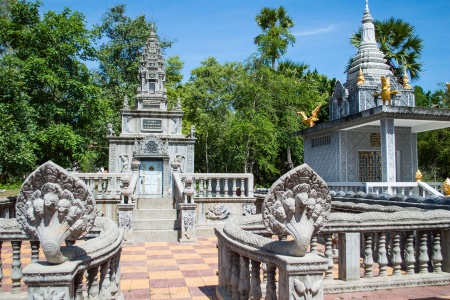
(225, 29)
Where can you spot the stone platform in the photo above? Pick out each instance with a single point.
(169, 270)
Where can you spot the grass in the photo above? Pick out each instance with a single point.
(10, 192)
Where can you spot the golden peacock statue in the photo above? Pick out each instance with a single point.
(310, 121)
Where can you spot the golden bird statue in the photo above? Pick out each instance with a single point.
(310, 121)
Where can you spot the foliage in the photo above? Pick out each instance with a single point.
(47, 94)
(400, 44)
(273, 43)
(432, 151)
(245, 115)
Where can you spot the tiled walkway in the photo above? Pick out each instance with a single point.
(175, 271)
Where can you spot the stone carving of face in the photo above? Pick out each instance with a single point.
(63, 207)
(50, 200)
(39, 206)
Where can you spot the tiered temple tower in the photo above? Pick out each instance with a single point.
(372, 132)
(151, 133)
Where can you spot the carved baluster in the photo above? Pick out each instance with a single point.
(244, 278)
(105, 282)
(436, 257)
(16, 272)
(34, 251)
(200, 187)
(423, 250)
(264, 271)
(313, 244)
(112, 276)
(234, 187)
(1, 264)
(225, 188)
(329, 256)
(100, 188)
(382, 258)
(209, 187)
(396, 256)
(235, 275)
(243, 187)
(78, 283)
(229, 271)
(218, 187)
(410, 259)
(109, 187)
(271, 287)
(255, 282)
(368, 258)
(93, 288)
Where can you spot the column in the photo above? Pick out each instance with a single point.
(388, 150)
(349, 252)
(188, 220)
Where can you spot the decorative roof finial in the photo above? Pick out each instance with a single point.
(360, 77)
(406, 81)
(367, 5)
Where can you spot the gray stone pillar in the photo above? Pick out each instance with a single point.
(43, 279)
(445, 248)
(125, 219)
(188, 223)
(305, 272)
(349, 254)
(388, 150)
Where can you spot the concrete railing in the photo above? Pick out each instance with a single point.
(399, 247)
(211, 185)
(402, 188)
(104, 186)
(99, 254)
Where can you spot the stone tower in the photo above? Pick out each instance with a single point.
(150, 132)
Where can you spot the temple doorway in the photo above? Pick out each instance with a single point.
(151, 177)
(370, 166)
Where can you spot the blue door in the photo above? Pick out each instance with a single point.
(151, 177)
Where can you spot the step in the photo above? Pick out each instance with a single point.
(155, 203)
(155, 236)
(155, 214)
(156, 224)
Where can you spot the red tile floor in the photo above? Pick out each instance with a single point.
(162, 270)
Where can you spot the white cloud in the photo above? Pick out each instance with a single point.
(316, 31)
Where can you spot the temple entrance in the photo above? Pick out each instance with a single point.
(370, 166)
(151, 177)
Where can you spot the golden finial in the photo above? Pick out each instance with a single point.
(386, 90)
(406, 81)
(310, 121)
(360, 77)
(418, 176)
(446, 187)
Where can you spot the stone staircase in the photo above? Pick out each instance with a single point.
(155, 220)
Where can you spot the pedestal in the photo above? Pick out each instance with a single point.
(125, 219)
(188, 220)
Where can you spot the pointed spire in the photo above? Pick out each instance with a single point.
(406, 81)
(360, 77)
(368, 57)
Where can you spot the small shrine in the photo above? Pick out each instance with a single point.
(372, 132)
(150, 132)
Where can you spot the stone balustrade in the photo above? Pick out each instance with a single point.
(104, 186)
(8, 207)
(99, 251)
(241, 268)
(398, 247)
(217, 185)
(392, 188)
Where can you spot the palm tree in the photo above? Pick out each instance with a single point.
(275, 23)
(399, 43)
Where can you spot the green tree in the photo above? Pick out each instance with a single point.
(433, 155)
(47, 97)
(401, 46)
(276, 37)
